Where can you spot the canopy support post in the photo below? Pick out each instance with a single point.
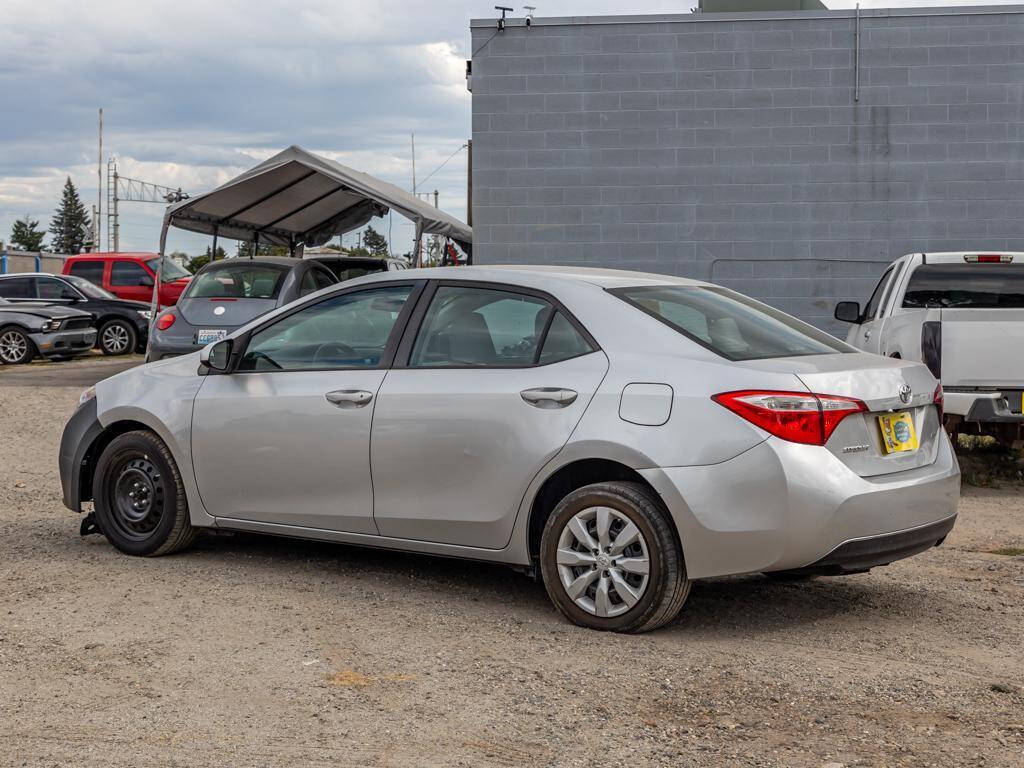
(213, 251)
(255, 244)
(291, 246)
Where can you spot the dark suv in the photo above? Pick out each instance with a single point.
(122, 325)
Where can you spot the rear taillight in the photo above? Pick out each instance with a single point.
(940, 401)
(799, 417)
(165, 321)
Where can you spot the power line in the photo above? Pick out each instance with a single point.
(442, 165)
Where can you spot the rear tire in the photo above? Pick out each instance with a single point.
(16, 348)
(117, 337)
(139, 497)
(611, 560)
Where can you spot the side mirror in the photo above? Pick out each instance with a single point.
(848, 311)
(217, 357)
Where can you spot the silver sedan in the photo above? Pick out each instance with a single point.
(618, 434)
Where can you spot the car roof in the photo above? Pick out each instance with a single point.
(280, 261)
(100, 255)
(31, 274)
(539, 275)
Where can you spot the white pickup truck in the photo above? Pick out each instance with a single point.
(962, 314)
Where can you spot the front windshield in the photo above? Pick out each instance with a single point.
(242, 280)
(91, 290)
(171, 270)
(730, 324)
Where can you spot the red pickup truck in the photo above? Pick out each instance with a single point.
(130, 275)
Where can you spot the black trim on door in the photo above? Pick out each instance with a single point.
(416, 322)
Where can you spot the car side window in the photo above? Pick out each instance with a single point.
(90, 270)
(308, 284)
(876, 298)
(17, 288)
(48, 288)
(562, 342)
(128, 273)
(347, 331)
(323, 278)
(480, 327)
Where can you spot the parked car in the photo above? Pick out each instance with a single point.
(622, 433)
(229, 293)
(962, 314)
(27, 330)
(350, 267)
(130, 275)
(122, 325)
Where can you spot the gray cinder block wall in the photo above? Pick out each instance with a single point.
(730, 147)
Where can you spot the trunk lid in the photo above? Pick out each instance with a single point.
(877, 381)
(221, 312)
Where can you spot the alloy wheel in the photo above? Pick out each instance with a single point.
(603, 561)
(13, 347)
(115, 338)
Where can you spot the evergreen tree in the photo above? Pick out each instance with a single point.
(375, 242)
(70, 223)
(25, 236)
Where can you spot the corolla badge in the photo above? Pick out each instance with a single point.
(220, 311)
(906, 393)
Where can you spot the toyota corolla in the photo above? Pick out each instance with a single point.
(619, 434)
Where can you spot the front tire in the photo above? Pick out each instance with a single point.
(16, 348)
(117, 337)
(139, 497)
(611, 560)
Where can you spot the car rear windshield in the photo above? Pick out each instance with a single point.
(730, 324)
(977, 286)
(171, 270)
(238, 281)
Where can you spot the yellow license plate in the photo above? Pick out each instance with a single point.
(898, 433)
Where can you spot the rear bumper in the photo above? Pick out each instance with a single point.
(858, 555)
(783, 506)
(63, 343)
(993, 409)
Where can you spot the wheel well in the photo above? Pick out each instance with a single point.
(568, 479)
(103, 439)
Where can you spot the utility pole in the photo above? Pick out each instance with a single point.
(99, 189)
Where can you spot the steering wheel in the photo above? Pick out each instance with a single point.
(257, 355)
(335, 349)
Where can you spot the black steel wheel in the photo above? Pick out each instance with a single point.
(140, 501)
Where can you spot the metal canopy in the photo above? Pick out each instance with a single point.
(296, 197)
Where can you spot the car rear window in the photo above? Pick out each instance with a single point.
(978, 286)
(730, 324)
(238, 281)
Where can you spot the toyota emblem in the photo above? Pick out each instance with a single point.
(905, 393)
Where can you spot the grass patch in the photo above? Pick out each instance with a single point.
(1008, 551)
(985, 463)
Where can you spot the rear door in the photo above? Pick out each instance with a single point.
(18, 289)
(484, 394)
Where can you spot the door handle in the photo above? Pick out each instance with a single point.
(349, 398)
(549, 397)
(867, 334)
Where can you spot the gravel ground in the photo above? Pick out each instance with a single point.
(254, 651)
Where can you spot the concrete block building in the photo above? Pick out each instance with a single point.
(788, 154)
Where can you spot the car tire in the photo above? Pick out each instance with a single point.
(604, 587)
(140, 502)
(117, 337)
(16, 348)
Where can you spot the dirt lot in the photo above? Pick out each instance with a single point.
(255, 651)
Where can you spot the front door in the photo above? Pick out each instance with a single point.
(286, 438)
(494, 386)
(131, 280)
(868, 335)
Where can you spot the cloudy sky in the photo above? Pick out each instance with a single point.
(195, 92)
